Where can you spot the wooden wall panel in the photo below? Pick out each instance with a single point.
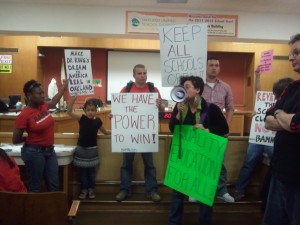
(27, 65)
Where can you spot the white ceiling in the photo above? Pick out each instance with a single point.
(268, 6)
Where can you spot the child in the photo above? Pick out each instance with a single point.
(86, 152)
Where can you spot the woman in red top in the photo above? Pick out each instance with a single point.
(38, 151)
(10, 179)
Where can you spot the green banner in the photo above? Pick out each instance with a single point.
(194, 169)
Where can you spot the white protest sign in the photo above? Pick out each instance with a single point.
(79, 71)
(183, 52)
(134, 123)
(258, 133)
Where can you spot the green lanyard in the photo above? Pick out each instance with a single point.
(185, 110)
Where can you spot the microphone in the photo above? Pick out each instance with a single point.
(178, 94)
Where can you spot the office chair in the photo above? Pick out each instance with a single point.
(47, 208)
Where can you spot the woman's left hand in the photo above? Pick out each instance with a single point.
(200, 126)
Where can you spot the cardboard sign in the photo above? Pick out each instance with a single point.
(134, 125)
(266, 61)
(79, 71)
(258, 133)
(183, 52)
(196, 173)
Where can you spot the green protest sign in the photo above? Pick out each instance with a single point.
(196, 171)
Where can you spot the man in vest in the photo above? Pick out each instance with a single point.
(140, 86)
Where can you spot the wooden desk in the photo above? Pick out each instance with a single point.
(109, 169)
(63, 122)
(64, 156)
(236, 127)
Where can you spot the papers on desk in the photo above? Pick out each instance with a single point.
(64, 153)
(11, 113)
(10, 147)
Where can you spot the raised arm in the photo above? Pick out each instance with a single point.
(257, 79)
(58, 96)
(70, 108)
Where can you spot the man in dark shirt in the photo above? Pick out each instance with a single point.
(283, 205)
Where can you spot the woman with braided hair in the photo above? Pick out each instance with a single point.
(38, 151)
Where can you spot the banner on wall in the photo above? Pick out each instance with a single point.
(79, 71)
(150, 22)
(258, 133)
(195, 169)
(134, 125)
(183, 52)
(5, 63)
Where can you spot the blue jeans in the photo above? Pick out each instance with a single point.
(149, 172)
(87, 178)
(283, 205)
(40, 164)
(253, 157)
(222, 185)
(176, 210)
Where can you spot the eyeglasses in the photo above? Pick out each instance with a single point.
(294, 53)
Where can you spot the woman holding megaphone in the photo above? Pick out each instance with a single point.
(192, 109)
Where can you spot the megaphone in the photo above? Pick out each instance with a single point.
(178, 94)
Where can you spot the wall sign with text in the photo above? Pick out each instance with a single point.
(150, 22)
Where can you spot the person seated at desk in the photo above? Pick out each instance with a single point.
(10, 179)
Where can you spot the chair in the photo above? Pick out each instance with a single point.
(48, 208)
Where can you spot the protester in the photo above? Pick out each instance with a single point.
(38, 151)
(140, 85)
(255, 151)
(189, 113)
(283, 204)
(218, 92)
(86, 153)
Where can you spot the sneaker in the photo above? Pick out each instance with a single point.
(91, 194)
(83, 194)
(155, 197)
(121, 196)
(192, 200)
(238, 196)
(226, 198)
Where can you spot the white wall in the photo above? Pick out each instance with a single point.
(69, 20)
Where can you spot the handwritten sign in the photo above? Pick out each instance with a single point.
(183, 52)
(197, 172)
(134, 124)
(266, 60)
(258, 133)
(79, 71)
